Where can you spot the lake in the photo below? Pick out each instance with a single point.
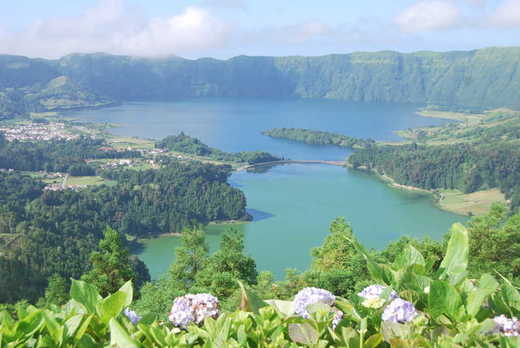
(292, 205)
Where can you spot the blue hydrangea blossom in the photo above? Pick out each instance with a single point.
(131, 315)
(193, 309)
(399, 311)
(372, 296)
(506, 326)
(310, 296)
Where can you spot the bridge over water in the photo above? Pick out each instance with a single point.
(275, 163)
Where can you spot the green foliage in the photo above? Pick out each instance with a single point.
(454, 311)
(468, 167)
(193, 146)
(318, 137)
(110, 264)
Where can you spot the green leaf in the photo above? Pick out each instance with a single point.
(455, 263)
(285, 308)
(303, 333)
(444, 299)
(53, 328)
(111, 306)
(374, 341)
(72, 324)
(250, 302)
(487, 285)
(393, 330)
(85, 294)
(119, 337)
(410, 256)
(128, 290)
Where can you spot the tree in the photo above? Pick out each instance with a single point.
(227, 265)
(111, 266)
(190, 258)
(57, 291)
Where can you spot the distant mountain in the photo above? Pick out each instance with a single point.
(462, 80)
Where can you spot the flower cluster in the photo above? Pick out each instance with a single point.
(506, 326)
(193, 309)
(399, 311)
(310, 296)
(132, 316)
(373, 296)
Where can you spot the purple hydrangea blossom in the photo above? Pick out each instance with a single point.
(399, 311)
(506, 326)
(372, 295)
(309, 296)
(131, 315)
(193, 309)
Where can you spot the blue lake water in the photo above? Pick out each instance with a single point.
(292, 204)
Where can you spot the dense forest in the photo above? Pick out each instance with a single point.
(193, 146)
(468, 167)
(314, 137)
(54, 232)
(57, 155)
(463, 80)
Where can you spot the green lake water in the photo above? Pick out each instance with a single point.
(292, 205)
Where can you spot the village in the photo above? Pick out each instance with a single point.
(37, 131)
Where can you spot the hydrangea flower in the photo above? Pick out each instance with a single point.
(193, 309)
(399, 311)
(372, 295)
(506, 326)
(131, 315)
(310, 296)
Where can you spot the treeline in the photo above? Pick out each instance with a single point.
(57, 155)
(54, 232)
(468, 167)
(314, 137)
(193, 146)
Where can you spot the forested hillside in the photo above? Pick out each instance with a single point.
(44, 232)
(470, 80)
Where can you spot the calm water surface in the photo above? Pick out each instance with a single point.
(292, 205)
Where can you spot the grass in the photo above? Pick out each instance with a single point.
(88, 181)
(476, 203)
(134, 143)
(457, 116)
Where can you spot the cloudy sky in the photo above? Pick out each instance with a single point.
(225, 28)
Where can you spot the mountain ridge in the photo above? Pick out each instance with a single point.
(472, 80)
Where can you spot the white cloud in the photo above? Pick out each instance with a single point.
(114, 27)
(507, 14)
(428, 16)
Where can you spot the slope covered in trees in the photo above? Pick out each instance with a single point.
(314, 137)
(53, 232)
(470, 80)
(185, 144)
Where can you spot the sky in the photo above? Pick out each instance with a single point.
(227, 28)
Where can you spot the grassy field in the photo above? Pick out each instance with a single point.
(477, 203)
(457, 116)
(130, 142)
(88, 181)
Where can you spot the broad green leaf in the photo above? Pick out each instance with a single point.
(487, 285)
(249, 301)
(111, 306)
(53, 328)
(379, 273)
(444, 299)
(85, 294)
(285, 308)
(119, 337)
(391, 330)
(72, 324)
(303, 333)
(128, 290)
(374, 341)
(410, 256)
(455, 263)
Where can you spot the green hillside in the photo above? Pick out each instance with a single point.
(461, 81)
